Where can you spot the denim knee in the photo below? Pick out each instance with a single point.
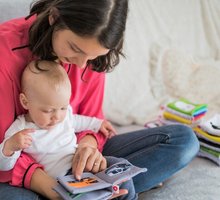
(129, 185)
(188, 146)
(8, 192)
(132, 195)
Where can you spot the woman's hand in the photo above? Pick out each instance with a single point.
(87, 158)
(120, 193)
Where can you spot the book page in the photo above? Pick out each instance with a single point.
(119, 172)
(87, 183)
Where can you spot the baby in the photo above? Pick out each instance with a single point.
(47, 130)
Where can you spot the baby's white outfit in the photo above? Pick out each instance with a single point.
(53, 148)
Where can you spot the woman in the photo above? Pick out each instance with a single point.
(86, 37)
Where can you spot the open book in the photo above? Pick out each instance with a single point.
(99, 186)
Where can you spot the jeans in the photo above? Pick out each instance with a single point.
(8, 192)
(162, 150)
(129, 185)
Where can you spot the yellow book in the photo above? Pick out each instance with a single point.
(171, 116)
(206, 135)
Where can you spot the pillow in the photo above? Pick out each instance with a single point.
(183, 76)
(134, 95)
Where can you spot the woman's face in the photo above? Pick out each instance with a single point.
(71, 48)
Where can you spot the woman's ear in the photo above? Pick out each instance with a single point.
(53, 16)
(23, 101)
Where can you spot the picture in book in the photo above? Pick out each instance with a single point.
(84, 182)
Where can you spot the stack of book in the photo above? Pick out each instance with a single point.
(184, 111)
(208, 133)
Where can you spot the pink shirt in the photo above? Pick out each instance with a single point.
(86, 99)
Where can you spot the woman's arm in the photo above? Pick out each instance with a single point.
(87, 98)
(42, 184)
(9, 107)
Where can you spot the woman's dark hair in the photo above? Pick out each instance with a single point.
(103, 19)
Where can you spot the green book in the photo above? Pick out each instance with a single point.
(211, 151)
(184, 106)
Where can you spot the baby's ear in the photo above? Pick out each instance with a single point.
(23, 101)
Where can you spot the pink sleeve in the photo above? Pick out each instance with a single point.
(23, 171)
(100, 138)
(14, 34)
(25, 166)
(7, 114)
(7, 107)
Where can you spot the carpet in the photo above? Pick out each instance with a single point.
(200, 180)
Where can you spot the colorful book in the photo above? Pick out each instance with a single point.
(99, 186)
(183, 115)
(184, 106)
(210, 154)
(205, 143)
(172, 116)
(200, 133)
(212, 125)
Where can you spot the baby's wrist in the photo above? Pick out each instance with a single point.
(7, 151)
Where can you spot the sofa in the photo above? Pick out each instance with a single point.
(172, 50)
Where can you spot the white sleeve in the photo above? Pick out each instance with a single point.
(82, 123)
(7, 162)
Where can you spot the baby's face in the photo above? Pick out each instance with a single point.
(46, 93)
(49, 109)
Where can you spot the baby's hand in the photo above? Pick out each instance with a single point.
(20, 140)
(107, 129)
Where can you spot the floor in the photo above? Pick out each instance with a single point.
(200, 180)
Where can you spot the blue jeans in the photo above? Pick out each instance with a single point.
(8, 192)
(162, 150)
(129, 185)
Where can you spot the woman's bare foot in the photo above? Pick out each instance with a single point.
(158, 186)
